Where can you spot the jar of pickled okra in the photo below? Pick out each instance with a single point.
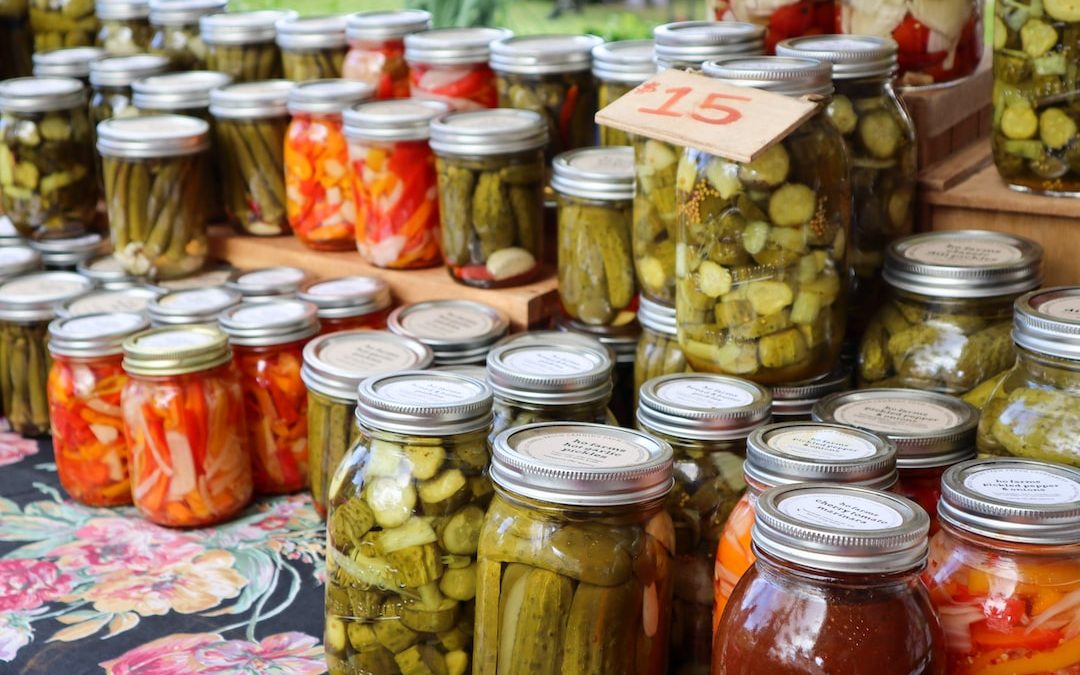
(945, 321)
(377, 49)
(84, 387)
(334, 365)
(794, 401)
(176, 31)
(16, 39)
(241, 44)
(312, 47)
(451, 65)
(348, 303)
(46, 156)
(16, 260)
(267, 340)
(67, 253)
(397, 201)
(684, 45)
(111, 78)
(127, 300)
(838, 566)
(459, 332)
(658, 352)
(268, 283)
(73, 62)
(214, 273)
(191, 307)
(124, 26)
(491, 180)
(62, 23)
(190, 464)
(621, 341)
(250, 120)
(27, 305)
(574, 565)
(106, 272)
(406, 507)
(617, 68)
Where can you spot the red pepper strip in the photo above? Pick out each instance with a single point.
(474, 273)
(467, 86)
(566, 114)
(195, 423)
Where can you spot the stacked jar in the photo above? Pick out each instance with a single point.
(16, 39)
(658, 352)
(794, 401)
(451, 65)
(111, 79)
(72, 62)
(267, 283)
(62, 23)
(104, 270)
(377, 49)
(124, 26)
(349, 303)
(66, 253)
(241, 44)
(618, 67)
(459, 332)
(621, 342)
(128, 300)
(16, 260)
(176, 31)
(191, 307)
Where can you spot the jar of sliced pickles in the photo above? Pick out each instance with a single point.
(124, 26)
(377, 49)
(459, 332)
(349, 303)
(621, 341)
(16, 260)
(491, 181)
(62, 23)
(618, 67)
(574, 566)
(334, 365)
(397, 202)
(191, 307)
(27, 305)
(761, 268)
(111, 78)
(451, 65)
(66, 253)
(706, 419)
(945, 322)
(312, 47)
(72, 62)
(241, 44)
(128, 300)
(794, 402)
(46, 156)
(658, 352)
(16, 39)
(267, 283)
(406, 508)
(176, 31)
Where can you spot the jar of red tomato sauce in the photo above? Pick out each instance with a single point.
(349, 303)
(377, 49)
(451, 65)
(267, 283)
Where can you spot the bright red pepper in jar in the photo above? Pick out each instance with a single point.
(377, 49)
(451, 65)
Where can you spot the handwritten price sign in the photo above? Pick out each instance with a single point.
(692, 110)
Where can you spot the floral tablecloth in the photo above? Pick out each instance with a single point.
(85, 590)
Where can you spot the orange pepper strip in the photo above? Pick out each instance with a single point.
(1065, 655)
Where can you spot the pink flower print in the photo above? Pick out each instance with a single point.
(186, 653)
(26, 584)
(13, 448)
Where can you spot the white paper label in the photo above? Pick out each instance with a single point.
(896, 415)
(698, 393)
(548, 362)
(1024, 486)
(594, 451)
(845, 512)
(427, 391)
(43, 288)
(346, 286)
(102, 324)
(365, 356)
(202, 300)
(269, 314)
(272, 277)
(453, 323)
(175, 339)
(963, 252)
(109, 302)
(822, 444)
(1062, 308)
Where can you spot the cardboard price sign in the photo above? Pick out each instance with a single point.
(696, 111)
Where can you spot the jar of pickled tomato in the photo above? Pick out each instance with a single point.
(191, 307)
(451, 65)
(348, 303)
(794, 402)
(312, 47)
(619, 67)
(128, 300)
(267, 283)
(377, 49)
(459, 332)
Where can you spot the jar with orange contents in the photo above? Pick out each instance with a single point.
(377, 49)
(451, 65)
(349, 303)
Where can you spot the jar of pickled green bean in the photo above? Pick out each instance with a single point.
(62, 23)
(176, 30)
(312, 47)
(658, 351)
(241, 44)
(191, 307)
(618, 67)
(459, 332)
(72, 62)
(124, 26)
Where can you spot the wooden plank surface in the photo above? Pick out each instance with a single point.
(938, 109)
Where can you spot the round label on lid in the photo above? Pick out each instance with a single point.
(447, 323)
(592, 451)
(119, 301)
(427, 392)
(704, 394)
(42, 288)
(206, 279)
(896, 415)
(822, 444)
(1067, 308)
(364, 355)
(548, 362)
(1024, 486)
(271, 277)
(176, 339)
(204, 299)
(963, 252)
(844, 512)
(101, 324)
(346, 286)
(274, 313)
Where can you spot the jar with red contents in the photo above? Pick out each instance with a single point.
(349, 303)
(377, 49)
(267, 283)
(782, 19)
(451, 65)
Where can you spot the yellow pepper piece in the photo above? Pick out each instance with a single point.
(1063, 656)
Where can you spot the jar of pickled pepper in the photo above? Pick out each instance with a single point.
(267, 283)
(618, 67)
(348, 303)
(658, 352)
(16, 39)
(62, 23)
(127, 300)
(377, 49)
(459, 332)
(241, 44)
(793, 402)
(65, 253)
(16, 260)
(621, 342)
(124, 26)
(706, 419)
(312, 47)
(451, 65)
(176, 31)
(72, 62)
(84, 387)
(191, 307)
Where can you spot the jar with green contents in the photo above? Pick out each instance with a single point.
(62, 23)
(618, 67)
(186, 93)
(684, 45)
(16, 39)
(128, 300)
(241, 44)
(658, 351)
(16, 260)
(312, 47)
(574, 567)
(267, 283)
(406, 508)
(124, 26)
(334, 366)
(794, 401)
(945, 322)
(761, 268)
(621, 341)
(706, 419)
(176, 30)
(459, 332)
(65, 253)
(191, 307)
(72, 62)
(111, 78)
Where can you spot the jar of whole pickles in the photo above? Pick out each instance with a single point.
(268, 340)
(706, 419)
(459, 332)
(377, 49)
(945, 321)
(176, 31)
(621, 342)
(66, 253)
(46, 156)
(451, 65)
(312, 47)
(16, 39)
(191, 307)
(111, 78)
(349, 303)
(191, 469)
(761, 269)
(658, 352)
(124, 26)
(73, 62)
(128, 300)
(794, 402)
(491, 181)
(27, 305)
(84, 387)
(241, 44)
(16, 260)
(397, 201)
(62, 23)
(574, 565)
(334, 365)
(106, 272)
(214, 273)
(268, 283)
(618, 67)
(406, 507)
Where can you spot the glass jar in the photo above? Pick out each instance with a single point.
(334, 366)
(377, 49)
(191, 307)
(250, 120)
(312, 47)
(459, 332)
(16, 39)
(574, 567)
(46, 156)
(945, 322)
(621, 342)
(684, 45)
(1004, 570)
(761, 267)
(27, 305)
(618, 67)
(124, 26)
(84, 386)
(781, 19)
(9, 236)
(491, 180)
(16, 260)
(268, 340)
(706, 419)
(397, 201)
(658, 352)
(214, 273)
(833, 562)
(399, 592)
(62, 23)
(241, 44)
(65, 253)
(129, 300)
(184, 422)
(794, 402)
(176, 31)
(451, 65)
(111, 78)
(73, 62)
(267, 283)
(349, 303)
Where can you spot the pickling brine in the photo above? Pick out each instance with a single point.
(377, 49)
(451, 65)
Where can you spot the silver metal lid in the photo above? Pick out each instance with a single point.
(625, 61)
(807, 452)
(41, 94)
(840, 528)
(68, 252)
(121, 71)
(656, 316)
(688, 44)
(251, 100)
(152, 136)
(131, 300)
(175, 350)
(488, 132)
(9, 236)
(91, 335)
(190, 307)
(394, 120)
(798, 398)
(779, 74)
(928, 429)
(702, 406)
(213, 274)
(335, 363)
(271, 322)
(328, 96)
(183, 12)
(457, 331)
(469, 370)
(121, 10)
(549, 374)
(1047, 321)
(453, 46)
(852, 57)
(72, 62)
(963, 264)
(16, 260)
(311, 32)
(621, 340)
(579, 464)
(33, 297)
(241, 28)
(346, 296)
(543, 54)
(268, 282)
(177, 91)
(386, 24)
(605, 173)
(424, 403)
(105, 270)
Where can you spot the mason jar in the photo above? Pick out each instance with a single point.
(110, 81)
(191, 307)
(451, 65)
(795, 401)
(267, 283)
(377, 49)
(16, 39)
(127, 300)
(73, 62)
(945, 321)
(176, 31)
(406, 507)
(241, 44)
(574, 566)
(658, 352)
(617, 68)
(62, 23)
(761, 266)
(9, 236)
(214, 273)
(106, 272)
(491, 179)
(16, 260)
(459, 332)
(124, 26)
(782, 19)
(706, 419)
(67, 253)
(312, 47)
(348, 303)
(621, 342)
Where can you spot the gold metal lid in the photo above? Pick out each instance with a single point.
(175, 350)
